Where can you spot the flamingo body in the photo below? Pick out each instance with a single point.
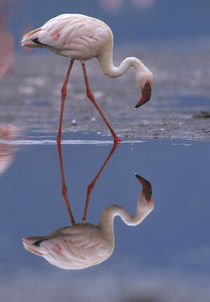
(82, 38)
(75, 247)
(83, 245)
(72, 35)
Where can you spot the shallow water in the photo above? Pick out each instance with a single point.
(170, 248)
(166, 257)
(179, 107)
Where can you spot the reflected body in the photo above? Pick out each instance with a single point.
(82, 38)
(83, 245)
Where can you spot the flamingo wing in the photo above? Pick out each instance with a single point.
(80, 247)
(75, 33)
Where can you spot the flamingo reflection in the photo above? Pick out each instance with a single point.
(82, 245)
(7, 133)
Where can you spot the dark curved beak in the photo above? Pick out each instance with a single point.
(146, 94)
(146, 187)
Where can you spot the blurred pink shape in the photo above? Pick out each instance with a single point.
(7, 52)
(143, 3)
(116, 4)
(111, 4)
(7, 134)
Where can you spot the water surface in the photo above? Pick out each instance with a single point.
(170, 246)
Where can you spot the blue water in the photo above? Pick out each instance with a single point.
(160, 22)
(171, 246)
(170, 249)
(32, 204)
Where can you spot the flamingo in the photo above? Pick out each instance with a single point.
(82, 38)
(83, 245)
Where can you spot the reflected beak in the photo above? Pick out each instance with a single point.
(32, 250)
(146, 187)
(146, 94)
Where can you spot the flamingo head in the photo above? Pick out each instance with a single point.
(145, 84)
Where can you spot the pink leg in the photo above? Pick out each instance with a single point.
(63, 96)
(91, 97)
(92, 184)
(64, 188)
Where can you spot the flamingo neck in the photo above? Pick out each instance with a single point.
(109, 69)
(107, 218)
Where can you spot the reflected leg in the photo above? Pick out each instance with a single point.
(92, 184)
(64, 188)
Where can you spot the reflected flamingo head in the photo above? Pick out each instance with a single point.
(146, 187)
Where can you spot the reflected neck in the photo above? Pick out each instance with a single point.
(106, 223)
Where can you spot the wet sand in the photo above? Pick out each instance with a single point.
(179, 108)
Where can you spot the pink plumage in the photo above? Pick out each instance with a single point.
(71, 35)
(83, 244)
(82, 38)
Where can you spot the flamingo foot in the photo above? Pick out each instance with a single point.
(117, 140)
